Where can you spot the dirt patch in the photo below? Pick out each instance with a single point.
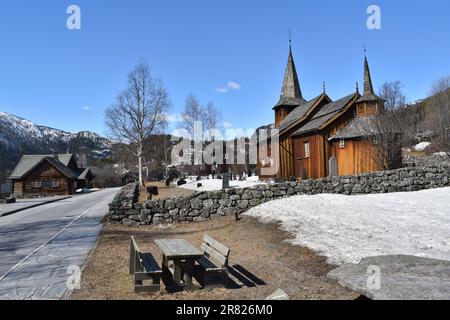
(261, 261)
(163, 191)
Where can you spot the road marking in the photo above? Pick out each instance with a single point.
(48, 241)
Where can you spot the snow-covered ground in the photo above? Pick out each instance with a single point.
(346, 229)
(422, 146)
(216, 184)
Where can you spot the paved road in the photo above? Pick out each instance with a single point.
(39, 246)
(23, 204)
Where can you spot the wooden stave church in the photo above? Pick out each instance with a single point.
(311, 132)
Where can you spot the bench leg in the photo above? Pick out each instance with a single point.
(154, 286)
(216, 279)
(177, 271)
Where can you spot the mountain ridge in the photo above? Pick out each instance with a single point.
(19, 136)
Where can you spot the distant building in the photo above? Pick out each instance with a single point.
(48, 175)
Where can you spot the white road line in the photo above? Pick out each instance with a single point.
(47, 242)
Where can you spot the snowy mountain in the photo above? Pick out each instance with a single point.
(20, 136)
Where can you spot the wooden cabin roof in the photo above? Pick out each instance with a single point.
(326, 113)
(29, 162)
(84, 172)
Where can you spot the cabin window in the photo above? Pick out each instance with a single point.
(54, 183)
(376, 141)
(342, 144)
(307, 150)
(36, 184)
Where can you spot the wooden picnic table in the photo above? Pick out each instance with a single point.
(183, 254)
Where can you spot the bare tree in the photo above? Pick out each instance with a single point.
(139, 111)
(212, 117)
(393, 95)
(438, 113)
(385, 130)
(193, 113)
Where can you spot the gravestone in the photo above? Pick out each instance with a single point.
(303, 173)
(226, 181)
(333, 167)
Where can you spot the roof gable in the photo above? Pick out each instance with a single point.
(301, 113)
(327, 114)
(29, 162)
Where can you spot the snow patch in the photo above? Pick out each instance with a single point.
(216, 184)
(422, 146)
(346, 229)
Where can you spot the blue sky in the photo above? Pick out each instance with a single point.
(65, 79)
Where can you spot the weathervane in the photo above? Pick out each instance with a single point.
(290, 37)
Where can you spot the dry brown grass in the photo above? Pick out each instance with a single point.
(163, 191)
(260, 249)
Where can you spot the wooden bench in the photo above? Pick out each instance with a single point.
(144, 268)
(213, 266)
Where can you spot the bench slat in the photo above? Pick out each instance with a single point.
(216, 245)
(214, 255)
(149, 264)
(208, 265)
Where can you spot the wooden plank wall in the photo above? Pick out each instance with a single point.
(47, 172)
(355, 158)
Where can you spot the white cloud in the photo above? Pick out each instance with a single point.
(222, 90)
(174, 117)
(86, 108)
(232, 85)
(227, 125)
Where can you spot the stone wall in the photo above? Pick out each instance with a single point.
(206, 205)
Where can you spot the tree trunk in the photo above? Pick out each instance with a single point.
(141, 181)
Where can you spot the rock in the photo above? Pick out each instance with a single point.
(400, 278)
(169, 205)
(196, 204)
(130, 223)
(278, 295)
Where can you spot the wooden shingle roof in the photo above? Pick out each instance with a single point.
(326, 113)
(28, 162)
(359, 127)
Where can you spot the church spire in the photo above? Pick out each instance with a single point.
(291, 94)
(291, 84)
(368, 86)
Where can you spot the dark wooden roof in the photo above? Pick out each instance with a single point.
(29, 162)
(296, 114)
(326, 113)
(357, 128)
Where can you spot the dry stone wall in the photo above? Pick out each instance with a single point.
(208, 205)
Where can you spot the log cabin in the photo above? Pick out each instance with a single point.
(312, 134)
(49, 175)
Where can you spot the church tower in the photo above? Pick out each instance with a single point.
(369, 103)
(291, 94)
